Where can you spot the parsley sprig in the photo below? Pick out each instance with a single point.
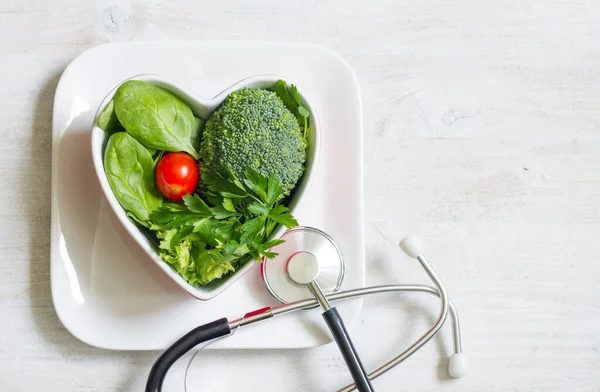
(229, 233)
(291, 99)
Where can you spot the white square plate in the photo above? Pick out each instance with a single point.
(105, 289)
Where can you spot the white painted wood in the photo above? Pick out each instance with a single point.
(482, 124)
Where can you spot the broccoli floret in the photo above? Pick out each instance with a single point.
(253, 128)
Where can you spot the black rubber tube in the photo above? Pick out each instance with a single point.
(342, 338)
(190, 340)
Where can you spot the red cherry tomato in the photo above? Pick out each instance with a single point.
(176, 175)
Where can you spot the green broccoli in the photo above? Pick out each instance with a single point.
(253, 128)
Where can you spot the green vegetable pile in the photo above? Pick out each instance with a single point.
(251, 155)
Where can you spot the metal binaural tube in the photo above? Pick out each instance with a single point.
(423, 339)
(456, 336)
(311, 303)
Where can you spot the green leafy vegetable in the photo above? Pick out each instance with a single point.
(258, 209)
(130, 171)
(209, 267)
(264, 248)
(302, 111)
(280, 215)
(295, 94)
(257, 184)
(108, 119)
(281, 89)
(157, 118)
(291, 99)
(274, 190)
(197, 128)
(191, 260)
(228, 204)
(219, 212)
(195, 204)
(252, 228)
(171, 216)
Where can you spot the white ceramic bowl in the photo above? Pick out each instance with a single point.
(202, 108)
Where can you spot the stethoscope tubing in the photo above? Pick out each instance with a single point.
(312, 303)
(223, 327)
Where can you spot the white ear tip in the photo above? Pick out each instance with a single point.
(411, 245)
(458, 365)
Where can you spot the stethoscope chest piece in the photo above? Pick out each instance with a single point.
(303, 245)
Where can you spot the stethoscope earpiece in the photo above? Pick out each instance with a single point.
(412, 246)
(458, 365)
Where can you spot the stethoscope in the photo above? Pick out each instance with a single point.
(310, 262)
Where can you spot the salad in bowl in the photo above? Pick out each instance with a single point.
(205, 187)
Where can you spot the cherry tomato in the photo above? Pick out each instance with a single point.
(176, 175)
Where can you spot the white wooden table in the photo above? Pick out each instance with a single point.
(482, 133)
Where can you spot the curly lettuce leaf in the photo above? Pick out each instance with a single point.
(191, 260)
(208, 267)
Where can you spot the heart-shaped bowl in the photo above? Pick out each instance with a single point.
(202, 108)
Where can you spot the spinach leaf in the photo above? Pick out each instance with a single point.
(108, 119)
(130, 171)
(156, 117)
